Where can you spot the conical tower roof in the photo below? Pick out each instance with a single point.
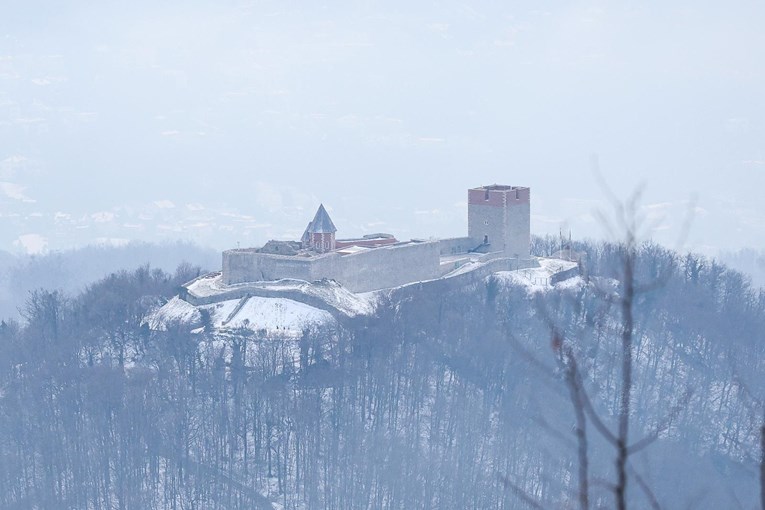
(322, 223)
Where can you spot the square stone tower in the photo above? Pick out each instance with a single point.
(499, 219)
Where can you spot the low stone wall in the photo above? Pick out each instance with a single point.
(453, 264)
(564, 275)
(472, 276)
(244, 290)
(485, 257)
(491, 266)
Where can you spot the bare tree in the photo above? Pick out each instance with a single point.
(627, 225)
(573, 378)
(762, 462)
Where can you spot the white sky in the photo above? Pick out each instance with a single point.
(228, 122)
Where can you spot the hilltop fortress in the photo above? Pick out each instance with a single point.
(285, 286)
(498, 232)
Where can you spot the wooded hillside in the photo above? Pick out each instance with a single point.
(442, 399)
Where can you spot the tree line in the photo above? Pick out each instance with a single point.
(441, 399)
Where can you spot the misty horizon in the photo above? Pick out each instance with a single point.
(228, 124)
(563, 304)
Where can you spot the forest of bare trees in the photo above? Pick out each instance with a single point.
(445, 398)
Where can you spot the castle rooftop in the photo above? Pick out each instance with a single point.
(322, 223)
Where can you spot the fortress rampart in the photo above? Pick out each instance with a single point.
(498, 239)
(249, 265)
(457, 245)
(379, 268)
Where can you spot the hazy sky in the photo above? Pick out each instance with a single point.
(228, 122)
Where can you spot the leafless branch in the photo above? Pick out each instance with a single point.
(576, 390)
(646, 489)
(521, 494)
(599, 425)
(762, 462)
(553, 432)
(663, 425)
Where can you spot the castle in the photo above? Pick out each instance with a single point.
(498, 238)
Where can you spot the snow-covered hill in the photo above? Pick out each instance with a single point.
(274, 316)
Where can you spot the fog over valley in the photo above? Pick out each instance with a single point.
(228, 122)
(378, 255)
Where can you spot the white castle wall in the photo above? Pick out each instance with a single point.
(380, 268)
(241, 266)
(501, 213)
(456, 245)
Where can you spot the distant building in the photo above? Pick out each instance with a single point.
(498, 231)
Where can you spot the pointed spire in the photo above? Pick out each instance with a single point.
(322, 223)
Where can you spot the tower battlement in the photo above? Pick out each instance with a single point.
(498, 195)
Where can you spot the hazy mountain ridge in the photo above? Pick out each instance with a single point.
(71, 271)
(437, 401)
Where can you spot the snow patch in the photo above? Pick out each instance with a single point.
(539, 279)
(328, 291)
(278, 316)
(274, 315)
(175, 310)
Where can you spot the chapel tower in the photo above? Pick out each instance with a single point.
(319, 235)
(499, 219)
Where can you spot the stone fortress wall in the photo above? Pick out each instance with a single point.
(248, 265)
(456, 245)
(498, 228)
(387, 266)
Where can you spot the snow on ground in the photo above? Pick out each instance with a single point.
(538, 279)
(329, 291)
(175, 310)
(219, 312)
(274, 315)
(273, 306)
(207, 285)
(464, 268)
(571, 283)
(285, 314)
(341, 298)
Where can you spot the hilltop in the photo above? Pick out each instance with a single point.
(441, 394)
(288, 307)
